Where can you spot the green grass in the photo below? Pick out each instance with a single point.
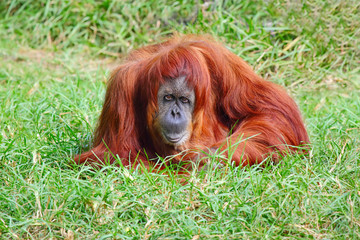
(55, 57)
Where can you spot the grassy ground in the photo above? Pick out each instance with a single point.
(55, 57)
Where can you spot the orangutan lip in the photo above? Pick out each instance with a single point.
(173, 139)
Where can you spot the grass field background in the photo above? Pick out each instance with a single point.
(55, 57)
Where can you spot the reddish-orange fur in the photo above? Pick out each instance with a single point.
(229, 96)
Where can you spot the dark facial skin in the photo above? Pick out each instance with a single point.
(176, 102)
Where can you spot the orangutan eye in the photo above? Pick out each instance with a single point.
(169, 97)
(184, 100)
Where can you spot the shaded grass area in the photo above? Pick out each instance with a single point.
(55, 57)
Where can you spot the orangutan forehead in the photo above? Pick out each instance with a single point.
(176, 85)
